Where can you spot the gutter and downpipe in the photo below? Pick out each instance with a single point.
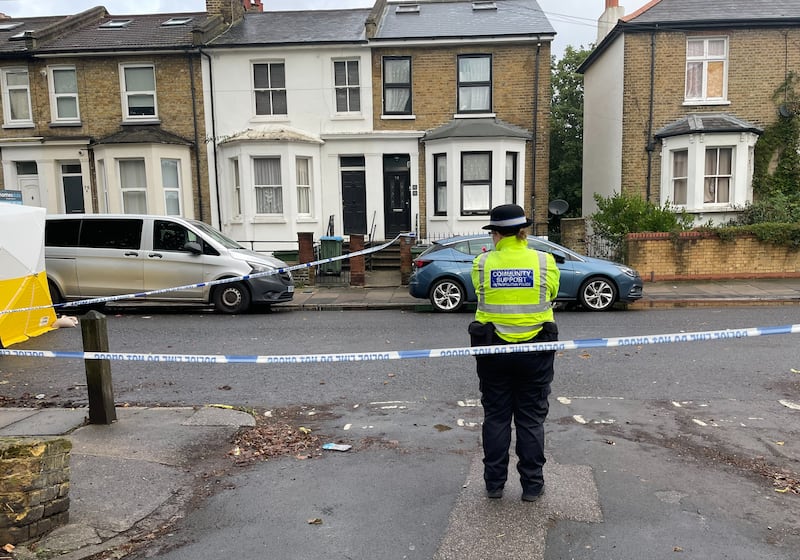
(651, 144)
(213, 134)
(535, 133)
(196, 140)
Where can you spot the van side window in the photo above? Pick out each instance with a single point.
(111, 234)
(169, 236)
(61, 233)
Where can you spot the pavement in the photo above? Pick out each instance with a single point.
(152, 458)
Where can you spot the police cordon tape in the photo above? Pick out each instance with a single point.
(615, 342)
(281, 270)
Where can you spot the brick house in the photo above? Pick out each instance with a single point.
(104, 113)
(676, 96)
(477, 91)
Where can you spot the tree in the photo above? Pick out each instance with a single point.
(566, 132)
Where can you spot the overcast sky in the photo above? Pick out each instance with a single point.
(575, 21)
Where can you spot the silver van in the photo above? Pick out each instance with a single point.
(99, 255)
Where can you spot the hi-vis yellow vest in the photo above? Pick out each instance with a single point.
(515, 286)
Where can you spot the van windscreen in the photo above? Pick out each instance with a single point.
(216, 235)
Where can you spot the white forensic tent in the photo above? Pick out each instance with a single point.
(23, 280)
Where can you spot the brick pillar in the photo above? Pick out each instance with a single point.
(34, 487)
(405, 260)
(305, 254)
(357, 267)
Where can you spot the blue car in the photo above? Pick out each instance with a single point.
(442, 274)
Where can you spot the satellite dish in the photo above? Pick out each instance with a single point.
(785, 111)
(558, 207)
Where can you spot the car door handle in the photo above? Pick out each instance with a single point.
(159, 255)
(131, 254)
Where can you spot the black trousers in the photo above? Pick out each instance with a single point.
(515, 387)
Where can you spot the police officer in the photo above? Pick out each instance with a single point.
(515, 286)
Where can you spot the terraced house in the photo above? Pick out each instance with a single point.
(368, 121)
(676, 97)
(378, 121)
(103, 113)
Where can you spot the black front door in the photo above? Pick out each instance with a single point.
(396, 195)
(73, 188)
(354, 199)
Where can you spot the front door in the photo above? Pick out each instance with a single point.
(396, 195)
(30, 190)
(72, 181)
(354, 195)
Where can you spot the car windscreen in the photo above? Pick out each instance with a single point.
(217, 236)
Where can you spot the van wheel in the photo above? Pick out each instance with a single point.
(55, 295)
(231, 298)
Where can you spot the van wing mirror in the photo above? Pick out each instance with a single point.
(193, 247)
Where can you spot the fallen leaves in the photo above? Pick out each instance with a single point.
(269, 439)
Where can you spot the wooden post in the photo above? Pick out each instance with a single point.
(98, 372)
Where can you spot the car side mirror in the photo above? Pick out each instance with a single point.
(193, 247)
(560, 257)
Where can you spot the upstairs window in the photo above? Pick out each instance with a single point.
(346, 82)
(269, 85)
(16, 97)
(706, 69)
(475, 83)
(64, 94)
(397, 85)
(139, 92)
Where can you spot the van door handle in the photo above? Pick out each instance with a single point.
(131, 254)
(159, 255)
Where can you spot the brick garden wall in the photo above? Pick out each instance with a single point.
(699, 255)
(34, 487)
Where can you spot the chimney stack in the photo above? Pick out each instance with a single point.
(613, 13)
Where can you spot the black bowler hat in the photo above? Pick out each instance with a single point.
(507, 217)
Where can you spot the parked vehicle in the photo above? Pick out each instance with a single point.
(442, 273)
(99, 255)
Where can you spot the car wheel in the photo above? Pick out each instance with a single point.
(597, 294)
(231, 298)
(447, 295)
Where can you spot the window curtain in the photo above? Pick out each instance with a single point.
(397, 98)
(269, 198)
(474, 70)
(303, 187)
(65, 86)
(140, 79)
(18, 95)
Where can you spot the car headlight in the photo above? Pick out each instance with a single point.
(258, 267)
(628, 271)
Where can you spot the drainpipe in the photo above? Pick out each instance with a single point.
(196, 140)
(535, 132)
(214, 135)
(651, 145)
